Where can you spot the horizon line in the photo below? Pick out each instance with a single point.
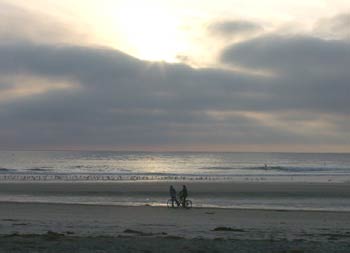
(170, 151)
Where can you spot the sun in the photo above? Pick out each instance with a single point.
(151, 33)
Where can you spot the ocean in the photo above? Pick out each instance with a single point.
(165, 168)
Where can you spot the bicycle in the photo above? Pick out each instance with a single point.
(187, 204)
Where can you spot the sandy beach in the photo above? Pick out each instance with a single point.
(88, 228)
(54, 227)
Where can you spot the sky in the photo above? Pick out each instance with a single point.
(152, 75)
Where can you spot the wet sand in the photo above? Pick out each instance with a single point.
(205, 187)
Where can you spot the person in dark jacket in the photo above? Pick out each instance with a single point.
(183, 195)
(172, 192)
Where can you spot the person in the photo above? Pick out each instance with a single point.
(172, 192)
(183, 195)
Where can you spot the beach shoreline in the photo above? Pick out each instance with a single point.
(162, 186)
(226, 195)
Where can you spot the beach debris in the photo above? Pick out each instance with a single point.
(50, 235)
(16, 234)
(228, 229)
(9, 220)
(140, 233)
(136, 232)
(335, 236)
(20, 224)
(12, 235)
(131, 231)
(173, 237)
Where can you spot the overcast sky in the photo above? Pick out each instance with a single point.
(157, 75)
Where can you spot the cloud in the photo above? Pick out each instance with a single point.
(234, 28)
(336, 27)
(58, 92)
(113, 100)
(290, 54)
(310, 73)
(18, 23)
(18, 86)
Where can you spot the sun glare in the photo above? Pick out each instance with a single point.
(152, 33)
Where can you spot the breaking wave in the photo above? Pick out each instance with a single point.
(107, 177)
(281, 169)
(6, 169)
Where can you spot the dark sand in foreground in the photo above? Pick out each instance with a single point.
(88, 228)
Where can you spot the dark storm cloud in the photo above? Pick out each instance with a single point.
(234, 27)
(291, 54)
(119, 100)
(311, 74)
(124, 81)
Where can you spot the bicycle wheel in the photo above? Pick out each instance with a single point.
(188, 204)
